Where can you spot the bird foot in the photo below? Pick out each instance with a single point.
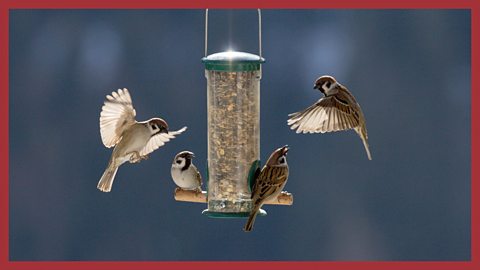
(136, 157)
(198, 191)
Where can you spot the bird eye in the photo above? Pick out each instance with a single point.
(281, 160)
(327, 84)
(179, 161)
(154, 127)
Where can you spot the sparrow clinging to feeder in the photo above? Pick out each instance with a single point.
(133, 140)
(337, 110)
(269, 183)
(185, 175)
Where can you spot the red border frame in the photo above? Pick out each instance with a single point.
(6, 5)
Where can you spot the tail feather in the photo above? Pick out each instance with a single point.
(106, 182)
(367, 149)
(364, 137)
(251, 219)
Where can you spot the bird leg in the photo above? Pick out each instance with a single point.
(136, 157)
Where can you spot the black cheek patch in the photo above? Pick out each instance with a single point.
(188, 162)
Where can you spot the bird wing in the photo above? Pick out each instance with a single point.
(327, 114)
(270, 180)
(117, 115)
(198, 176)
(158, 140)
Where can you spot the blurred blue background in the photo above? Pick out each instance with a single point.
(409, 70)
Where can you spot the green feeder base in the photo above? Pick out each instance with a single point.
(231, 215)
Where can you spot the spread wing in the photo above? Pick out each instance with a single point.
(326, 115)
(116, 116)
(159, 140)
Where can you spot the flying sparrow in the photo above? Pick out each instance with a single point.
(269, 183)
(184, 173)
(337, 110)
(133, 140)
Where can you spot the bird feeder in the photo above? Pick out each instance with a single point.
(233, 96)
(233, 104)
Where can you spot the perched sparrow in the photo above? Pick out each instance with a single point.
(337, 110)
(133, 140)
(184, 173)
(269, 183)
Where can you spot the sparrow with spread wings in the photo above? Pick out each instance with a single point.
(133, 140)
(337, 110)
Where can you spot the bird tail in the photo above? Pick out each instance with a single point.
(251, 219)
(362, 132)
(106, 182)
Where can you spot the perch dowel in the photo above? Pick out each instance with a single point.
(182, 195)
(190, 196)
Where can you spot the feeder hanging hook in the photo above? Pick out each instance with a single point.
(259, 32)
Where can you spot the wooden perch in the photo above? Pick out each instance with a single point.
(190, 196)
(182, 195)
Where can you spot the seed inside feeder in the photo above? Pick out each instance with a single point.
(233, 129)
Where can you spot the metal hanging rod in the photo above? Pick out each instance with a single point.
(259, 32)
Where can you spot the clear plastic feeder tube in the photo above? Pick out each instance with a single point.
(233, 96)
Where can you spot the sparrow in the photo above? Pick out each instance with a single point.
(185, 175)
(337, 110)
(133, 140)
(269, 183)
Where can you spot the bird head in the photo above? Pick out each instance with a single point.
(278, 157)
(183, 158)
(157, 125)
(326, 84)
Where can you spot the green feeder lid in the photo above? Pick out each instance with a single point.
(233, 61)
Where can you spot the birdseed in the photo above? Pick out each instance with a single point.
(233, 137)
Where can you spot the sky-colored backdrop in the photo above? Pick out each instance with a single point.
(409, 70)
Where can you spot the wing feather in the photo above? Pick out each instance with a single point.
(116, 116)
(159, 140)
(326, 115)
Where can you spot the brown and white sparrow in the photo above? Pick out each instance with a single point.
(185, 175)
(133, 140)
(337, 110)
(269, 183)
